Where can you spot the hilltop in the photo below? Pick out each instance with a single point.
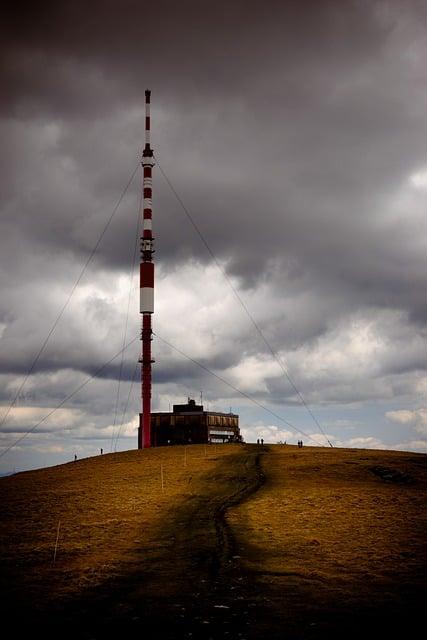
(241, 542)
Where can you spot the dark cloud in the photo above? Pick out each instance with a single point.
(57, 49)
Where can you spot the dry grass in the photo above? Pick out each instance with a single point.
(326, 532)
(110, 507)
(324, 539)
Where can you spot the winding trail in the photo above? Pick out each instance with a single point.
(226, 544)
(223, 600)
(202, 537)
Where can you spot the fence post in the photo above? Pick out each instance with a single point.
(56, 543)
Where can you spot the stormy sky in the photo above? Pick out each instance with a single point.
(295, 134)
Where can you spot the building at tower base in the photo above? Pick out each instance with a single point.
(190, 424)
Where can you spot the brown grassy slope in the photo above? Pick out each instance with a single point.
(326, 546)
(337, 532)
(110, 509)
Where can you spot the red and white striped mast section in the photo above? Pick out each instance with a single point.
(146, 285)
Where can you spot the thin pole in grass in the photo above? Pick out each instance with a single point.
(162, 478)
(56, 543)
(185, 456)
(205, 452)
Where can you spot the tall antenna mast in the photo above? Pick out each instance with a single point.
(146, 285)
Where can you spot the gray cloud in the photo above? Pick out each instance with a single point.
(291, 131)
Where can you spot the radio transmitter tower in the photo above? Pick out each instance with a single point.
(146, 285)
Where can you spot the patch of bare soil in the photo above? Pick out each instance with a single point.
(229, 541)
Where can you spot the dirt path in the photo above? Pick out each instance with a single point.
(216, 597)
(226, 544)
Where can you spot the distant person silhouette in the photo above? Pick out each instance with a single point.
(262, 440)
(75, 457)
(257, 441)
(102, 451)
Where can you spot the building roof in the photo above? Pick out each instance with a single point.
(191, 408)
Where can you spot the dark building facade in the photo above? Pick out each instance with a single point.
(190, 424)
